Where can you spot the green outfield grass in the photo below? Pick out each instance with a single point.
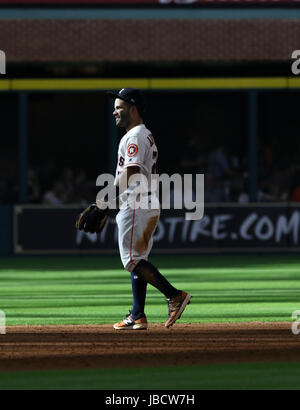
(96, 289)
(226, 376)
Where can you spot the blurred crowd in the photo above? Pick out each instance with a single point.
(226, 179)
(51, 186)
(226, 174)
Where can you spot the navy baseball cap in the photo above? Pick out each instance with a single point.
(132, 96)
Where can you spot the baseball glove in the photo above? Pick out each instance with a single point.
(92, 219)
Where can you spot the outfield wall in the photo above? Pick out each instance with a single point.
(224, 227)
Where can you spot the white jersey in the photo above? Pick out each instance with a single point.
(137, 148)
(136, 226)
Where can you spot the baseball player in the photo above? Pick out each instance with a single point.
(137, 154)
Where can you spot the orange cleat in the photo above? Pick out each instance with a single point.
(176, 307)
(130, 324)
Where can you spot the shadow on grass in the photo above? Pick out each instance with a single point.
(102, 262)
(215, 376)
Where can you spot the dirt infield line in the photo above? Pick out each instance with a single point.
(100, 346)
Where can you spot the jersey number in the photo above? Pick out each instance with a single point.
(154, 157)
(151, 140)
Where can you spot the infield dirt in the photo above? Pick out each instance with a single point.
(100, 346)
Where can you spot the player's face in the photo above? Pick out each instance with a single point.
(122, 113)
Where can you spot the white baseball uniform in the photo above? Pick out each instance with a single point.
(136, 226)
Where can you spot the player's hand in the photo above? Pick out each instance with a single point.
(102, 204)
(92, 219)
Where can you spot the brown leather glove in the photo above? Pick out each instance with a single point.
(92, 219)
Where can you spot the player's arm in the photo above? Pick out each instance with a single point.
(129, 165)
(127, 173)
(124, 181)
(122, 186)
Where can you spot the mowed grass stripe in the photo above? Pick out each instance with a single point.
(221, 376)
(70, 290)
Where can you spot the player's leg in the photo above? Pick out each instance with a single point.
(139, 289)
(177, 299)
(147, 221)
(136, 320)
(136, 228)
(150, 274)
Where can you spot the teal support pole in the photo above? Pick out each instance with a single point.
(253, 145)
(23, 145)
(6, 229)
(113, 140)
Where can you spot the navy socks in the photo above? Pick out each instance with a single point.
(139, 288)
(145, 270)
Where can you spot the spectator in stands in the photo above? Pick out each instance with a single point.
(295, 187)
(236, 189)
(34, 189)
(296, 194)
(67, 179)
(213, 192)
(194, 155)
(56, 196)
(218, 164)
(81, 193)
(266, 192)
(48, 174)
(243, 196)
